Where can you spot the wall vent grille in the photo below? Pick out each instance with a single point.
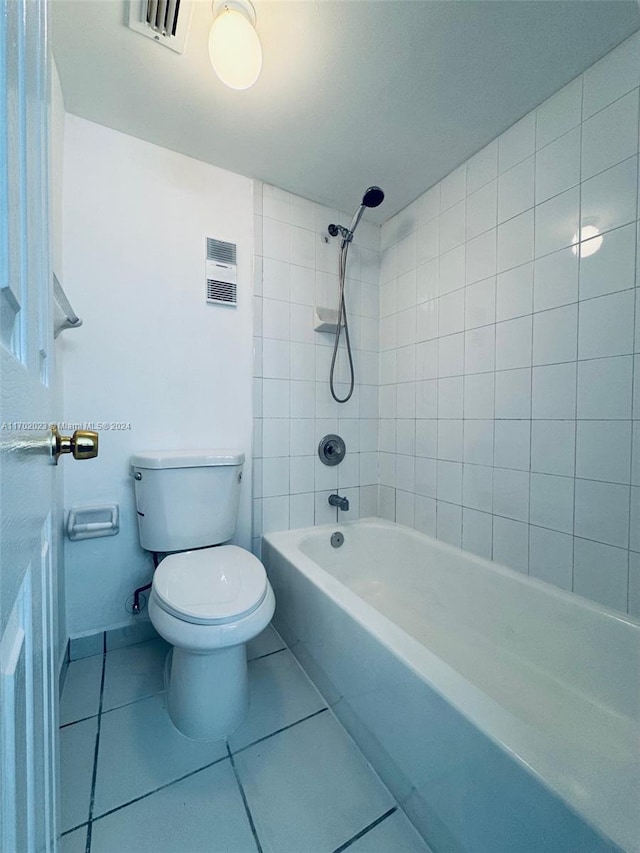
(164, 21)
(221, 272)
(218, 250)
(222, 291)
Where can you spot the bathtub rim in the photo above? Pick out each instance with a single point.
(538, 756)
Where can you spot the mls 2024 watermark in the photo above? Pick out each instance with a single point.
(22, 426)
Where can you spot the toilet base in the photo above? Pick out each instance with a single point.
(207, 694)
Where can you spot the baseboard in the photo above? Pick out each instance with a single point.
(118, 637)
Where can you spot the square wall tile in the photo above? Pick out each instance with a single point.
(511, 543)
(515, 242)
(603, 451)
(511, 494)
(634, 584)
(601, 573)
(609, 199)
(516, 190)
(602, 512)
(512, 444)
(477, 489)
(513, 393)
(480, 303)
(477, 532)
(605, 387)
(610, 136)
(555, 335)
(478, 442)
(482, 208)
(553, 447)
(554, 392)
(449, 482)
(513, 343)
(481, 257)
(517, 143)
(612, 267)
(551, 557)
(552, 502)
(557, 222)
(558, 166)
(482, 167)
(514, 293)
(555, 280)
(301, 510)
(480, 349)
(449, 523)
(607, 325)
(479, 395)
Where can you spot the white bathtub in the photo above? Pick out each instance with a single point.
(503, 713)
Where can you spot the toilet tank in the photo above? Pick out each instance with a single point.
(186, 498)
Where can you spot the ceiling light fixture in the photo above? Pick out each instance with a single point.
(234, 47)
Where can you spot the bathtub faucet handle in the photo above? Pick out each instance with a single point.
(341, 502)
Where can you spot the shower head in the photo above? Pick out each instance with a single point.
(373, 197)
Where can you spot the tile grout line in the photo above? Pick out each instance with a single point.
(156, 790)
(244, 801)
(194, 772)
(366, 830)
(279, 731)
(97, 747)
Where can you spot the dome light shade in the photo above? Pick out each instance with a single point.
(234, 47)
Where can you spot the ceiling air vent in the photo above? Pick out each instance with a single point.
(221, 271)
(164, 21)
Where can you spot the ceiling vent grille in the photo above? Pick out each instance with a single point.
(221, 272)
(164, 21)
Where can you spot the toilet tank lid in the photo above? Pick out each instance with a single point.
(186, 458)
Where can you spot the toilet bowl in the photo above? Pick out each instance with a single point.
(207, 604)
(207, 598)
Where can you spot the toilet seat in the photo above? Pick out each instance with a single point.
(210, 586)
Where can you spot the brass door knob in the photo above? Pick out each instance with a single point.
(83, 444)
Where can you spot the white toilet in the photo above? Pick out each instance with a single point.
(207, 602)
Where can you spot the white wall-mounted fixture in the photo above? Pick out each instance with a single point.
(222, 272)
(234, 47)
(164, 21)
(325, 319)
(90, 522)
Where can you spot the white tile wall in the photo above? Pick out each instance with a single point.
(293, 409)
(520, 439)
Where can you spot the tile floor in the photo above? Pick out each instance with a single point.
(290, 780)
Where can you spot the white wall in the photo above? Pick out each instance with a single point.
(151, 352)
(294, 409)
(509, 365)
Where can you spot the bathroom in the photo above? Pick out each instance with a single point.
(491, 464)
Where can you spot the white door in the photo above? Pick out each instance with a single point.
(27, 562)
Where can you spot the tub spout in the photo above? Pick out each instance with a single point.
(341, 503)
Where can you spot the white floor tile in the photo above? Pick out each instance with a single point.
(140, 750)
(81, 693)
(281, 694)
(265, 643)
(75, 842)
(202, 813)
(77, 751)
(134, 672)
(394, 835)
(309, 788)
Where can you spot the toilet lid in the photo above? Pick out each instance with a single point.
(210, 585)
